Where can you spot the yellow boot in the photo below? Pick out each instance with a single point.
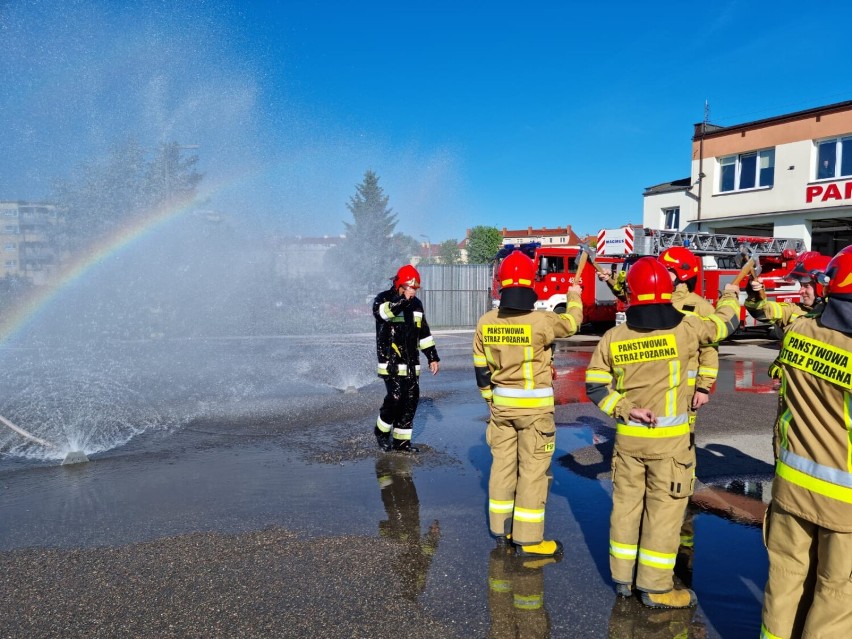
(546, 548)
(674, 598)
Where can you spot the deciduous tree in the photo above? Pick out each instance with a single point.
(483, 244)
(105, 193)
(449, 252)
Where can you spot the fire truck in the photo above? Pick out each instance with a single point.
(722, 258)
(556, 268)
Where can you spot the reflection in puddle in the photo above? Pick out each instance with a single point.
(516, 595)
(569, 386)
(740, 501)
(721, 555)
(402, 507)
(751, 377)
(631, 620)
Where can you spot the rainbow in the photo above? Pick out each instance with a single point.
(30, 307)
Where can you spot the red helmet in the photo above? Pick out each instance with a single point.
(407, 276)
(683, 262)
(845, 249)
(517, 270)
(839, 272)
(807, 267)
(648, 282)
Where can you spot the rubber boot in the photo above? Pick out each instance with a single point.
(675, 598)
(382, 439)
(546, 548)
(404, 446)
(504, 541)
(623, 590)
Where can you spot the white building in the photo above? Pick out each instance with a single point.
(25, 246)
(785, 176)
(298, 257)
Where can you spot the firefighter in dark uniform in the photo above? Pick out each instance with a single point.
(512, 360)
(616, 284)
(638, 375)
(402, 507)
(401, 333)
(808, 531)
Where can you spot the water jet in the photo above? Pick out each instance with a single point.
(72, 457)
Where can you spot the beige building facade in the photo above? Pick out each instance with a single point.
(785, 176)
(558, 236)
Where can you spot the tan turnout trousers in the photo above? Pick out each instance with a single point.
(517, 491)
(649, 495)
(809, 592)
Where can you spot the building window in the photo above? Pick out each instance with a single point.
(10, 212)
(10, 246)
(671, 218)
(11, 263)
(834, 158)
(747, 171)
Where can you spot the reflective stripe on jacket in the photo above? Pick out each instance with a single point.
(512, 356)
(401, 333)
(639, 368)
(707, 361)
(813, 431)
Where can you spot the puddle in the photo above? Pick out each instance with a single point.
(310, 466)
(737, 375)
(726, 564)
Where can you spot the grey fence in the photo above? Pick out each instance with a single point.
(454, 296)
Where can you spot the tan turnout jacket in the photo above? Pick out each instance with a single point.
(512, 357)
(637, 368)
(707, 362)
(813, 445)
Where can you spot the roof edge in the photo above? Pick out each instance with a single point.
(713, 130)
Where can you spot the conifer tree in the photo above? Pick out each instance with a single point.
(372, 252)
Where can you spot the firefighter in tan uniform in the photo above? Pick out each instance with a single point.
(511, 358)
(806, 271)
(808, 531)
(684, 268)
(638, 375)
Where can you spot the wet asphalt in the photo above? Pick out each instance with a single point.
(289, 522)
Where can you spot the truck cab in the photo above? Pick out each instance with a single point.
(556, 270)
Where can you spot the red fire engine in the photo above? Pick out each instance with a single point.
(722, 258)
(556, 268)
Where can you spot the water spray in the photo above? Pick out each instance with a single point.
(73, 457)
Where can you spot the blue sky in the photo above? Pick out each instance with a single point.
(500, 113)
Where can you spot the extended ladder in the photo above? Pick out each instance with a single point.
(655, 241)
